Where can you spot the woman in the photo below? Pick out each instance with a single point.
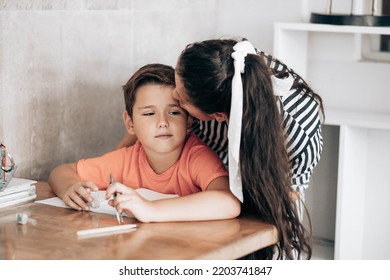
(263, 120)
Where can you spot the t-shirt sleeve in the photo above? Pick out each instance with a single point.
(205, 166)
(98, 169)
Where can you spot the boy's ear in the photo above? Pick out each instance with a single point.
(128, 122)
(220, 116)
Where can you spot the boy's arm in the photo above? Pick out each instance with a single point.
(66, 184)
(216, 203)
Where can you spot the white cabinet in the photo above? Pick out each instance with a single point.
(356, 94)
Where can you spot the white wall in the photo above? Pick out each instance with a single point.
(62, 64)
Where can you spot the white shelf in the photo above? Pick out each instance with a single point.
(315, 27)
(358, 119)
(291, 40)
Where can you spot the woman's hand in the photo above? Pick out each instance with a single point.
(129, 201)
(78, 195)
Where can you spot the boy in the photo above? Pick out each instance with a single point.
(165, 159)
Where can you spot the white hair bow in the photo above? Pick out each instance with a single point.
(241, 49)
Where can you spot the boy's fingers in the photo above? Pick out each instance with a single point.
(110, 190)
(79, 194)
(78, 200)
(115, 188)
(128, 197)
(71, 204)
(119, 189)
(119, 208)
(89, 185)
(85, 190)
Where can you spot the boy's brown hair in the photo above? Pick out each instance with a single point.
(155, 74)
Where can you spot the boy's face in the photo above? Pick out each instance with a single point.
(158, 121)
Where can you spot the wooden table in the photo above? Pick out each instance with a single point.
(54, 236)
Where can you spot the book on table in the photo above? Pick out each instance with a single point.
(18, 191)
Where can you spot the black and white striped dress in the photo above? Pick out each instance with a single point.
(301, 122)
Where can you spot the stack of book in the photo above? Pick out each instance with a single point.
(18, 191)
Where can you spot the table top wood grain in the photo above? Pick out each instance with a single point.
(54, 236)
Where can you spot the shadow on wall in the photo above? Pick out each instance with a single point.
(84, 121)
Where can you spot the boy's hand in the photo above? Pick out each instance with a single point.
(78, 195)
(129, 201)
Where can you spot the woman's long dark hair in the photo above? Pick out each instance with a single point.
(206, 69)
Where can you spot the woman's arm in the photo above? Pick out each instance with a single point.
(66, 184)
(126, 141)
(216, 203)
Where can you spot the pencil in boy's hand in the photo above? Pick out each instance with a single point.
(118, 215)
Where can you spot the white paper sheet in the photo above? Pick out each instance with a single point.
(104, 207)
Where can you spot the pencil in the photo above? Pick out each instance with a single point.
(105, 230)
(118, 215)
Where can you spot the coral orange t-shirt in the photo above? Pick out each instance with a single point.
(196, 168)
